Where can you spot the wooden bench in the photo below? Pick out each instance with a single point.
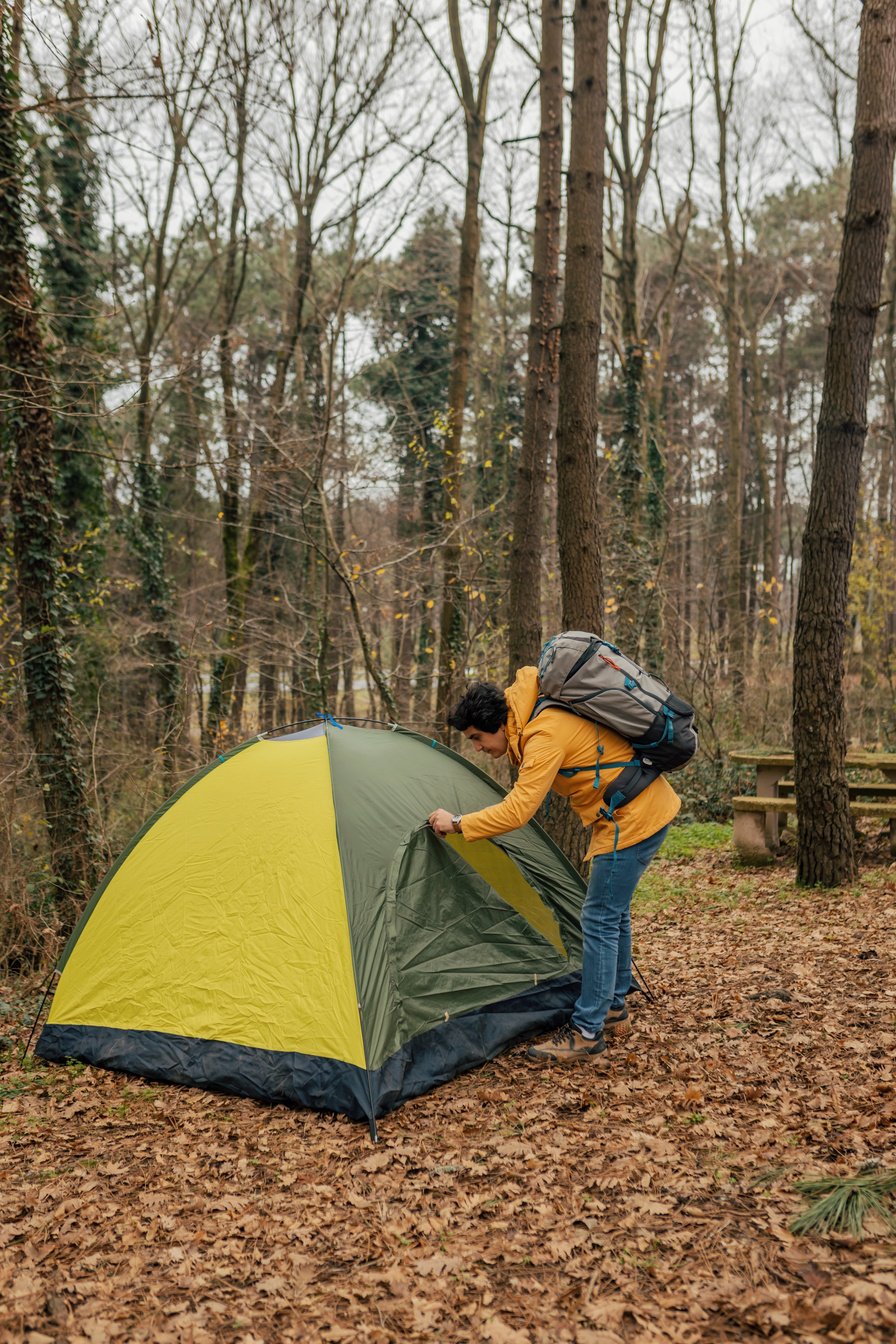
(752, 817)
(774, 785)
(887, 790)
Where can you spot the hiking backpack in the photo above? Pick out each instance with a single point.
(580, 672)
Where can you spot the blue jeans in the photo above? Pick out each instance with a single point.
(607, 931)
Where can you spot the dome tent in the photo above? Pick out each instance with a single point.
(287, 927)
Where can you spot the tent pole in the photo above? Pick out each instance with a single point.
(37, 1016)
(373, 1130)
(651, 997)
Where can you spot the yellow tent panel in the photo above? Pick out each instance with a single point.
(232, 901)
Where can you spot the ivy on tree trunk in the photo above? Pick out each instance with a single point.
(76, 857)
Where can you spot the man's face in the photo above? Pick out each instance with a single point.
(493, 744)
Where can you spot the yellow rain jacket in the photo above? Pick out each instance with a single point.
(560, 740)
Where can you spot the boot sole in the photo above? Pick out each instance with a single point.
(617, 1028)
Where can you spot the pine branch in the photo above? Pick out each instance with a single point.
(843, 1203)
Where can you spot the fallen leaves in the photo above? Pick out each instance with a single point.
(649, 1204)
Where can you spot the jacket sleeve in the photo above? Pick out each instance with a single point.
(542, 758)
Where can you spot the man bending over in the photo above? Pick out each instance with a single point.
(500, 724)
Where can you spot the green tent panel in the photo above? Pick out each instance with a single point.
(287, 927)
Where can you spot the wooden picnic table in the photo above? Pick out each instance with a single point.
(756, 825)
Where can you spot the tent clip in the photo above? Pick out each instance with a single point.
(328, 718)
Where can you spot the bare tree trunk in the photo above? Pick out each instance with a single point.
(474, 103)
(886, 481)
(734, 458)
(76, 856)
(782, 423)
(631, 154)
(540, 411)
(826, 850)
(578, 526)
(759, 558)
(238, 567)
(162, 645)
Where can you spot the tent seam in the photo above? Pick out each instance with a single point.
(351, 936)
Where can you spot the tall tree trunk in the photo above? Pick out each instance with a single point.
(474, 103)
(239, 563)
(886, 482)
(760, 556)
(421, 709)
(540, 410)
(782, 435)
(731, 314)
(578, 525)
(825, 850)
(162, 645)
(656, 517)
(76, 856)
(635, 481)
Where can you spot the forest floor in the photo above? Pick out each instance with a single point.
(647, 1201)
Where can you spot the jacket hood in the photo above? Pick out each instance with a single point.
(521, 697)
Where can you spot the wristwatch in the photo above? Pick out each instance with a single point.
(455, 823)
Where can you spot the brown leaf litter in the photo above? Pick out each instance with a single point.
(519, 1204)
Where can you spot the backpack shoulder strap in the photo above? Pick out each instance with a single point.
(545, 702)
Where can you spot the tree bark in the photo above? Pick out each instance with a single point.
(238, 564)
(782, 432)
(540, 409)
(637, 456)
(734, 640)
(474, 103)
(76, 856)
(826, 849)
(578, 526)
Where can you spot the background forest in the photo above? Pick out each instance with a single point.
(300, 350)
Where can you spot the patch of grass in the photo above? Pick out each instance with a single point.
(661, 887)
(873, 879)
(684, 841)
(667, 882)
(656, 890)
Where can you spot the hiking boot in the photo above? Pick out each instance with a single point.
(617, 1023)
(568, 1045)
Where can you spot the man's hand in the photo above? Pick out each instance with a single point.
(440, 821)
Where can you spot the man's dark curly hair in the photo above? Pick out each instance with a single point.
(482, 706)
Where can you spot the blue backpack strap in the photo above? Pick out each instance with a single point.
(541, 703)
(607, 813)
(667, 734)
